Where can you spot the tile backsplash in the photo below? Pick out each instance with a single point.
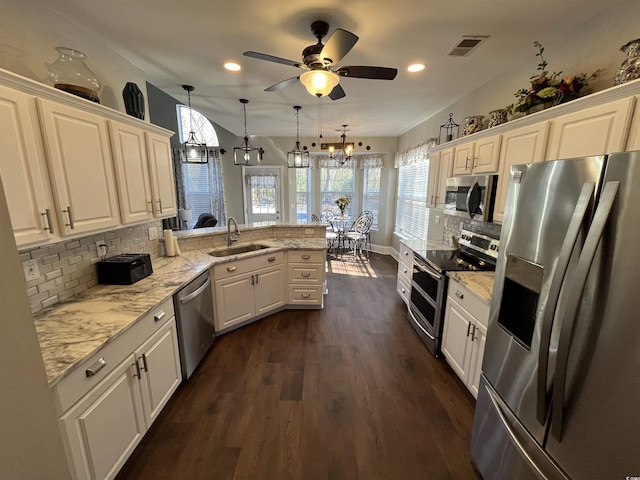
(454, 225)
(68, 267)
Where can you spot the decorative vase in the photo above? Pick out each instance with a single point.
(472, 124)
(630, 68)
(133, 100)
(497, 117)
(71, 74)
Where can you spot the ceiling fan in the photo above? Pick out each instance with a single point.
(322, 76)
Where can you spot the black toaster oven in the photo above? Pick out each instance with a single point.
(124, 269)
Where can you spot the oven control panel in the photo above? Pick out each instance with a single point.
(482, 243)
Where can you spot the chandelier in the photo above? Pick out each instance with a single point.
(298, 158)
(194, 152)
(341, 152)
(246, 154)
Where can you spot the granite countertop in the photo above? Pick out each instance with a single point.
(480, 283)
(72, 331)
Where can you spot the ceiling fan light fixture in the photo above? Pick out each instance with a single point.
(193, 151)
(319, 83)
(246, 154)
(297, 158)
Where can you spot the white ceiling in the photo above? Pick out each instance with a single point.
(187, 42)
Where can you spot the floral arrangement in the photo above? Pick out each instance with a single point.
(548, 89)
(343, 203)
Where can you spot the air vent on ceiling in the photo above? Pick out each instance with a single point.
(465, 46)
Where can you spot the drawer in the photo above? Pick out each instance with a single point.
(404, 289)
(469, 301)
(75, 385)
(297, 273)
(405, 271)
(246, 265)
(405, 253)
(305, 295)
(306, 256)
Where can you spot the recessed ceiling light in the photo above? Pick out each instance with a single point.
(234, 67)
(416, 67)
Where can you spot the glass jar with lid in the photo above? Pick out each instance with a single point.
(71, 74)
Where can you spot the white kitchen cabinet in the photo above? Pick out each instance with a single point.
(306, 278)
(633, 141)
(125, 395)
(592, 131)
(248, 288)
(440, 168)
(405, 273)
(464, 333)
(24, 171)
(163, 187)
(519, 146)
(477, 157)
(80, 164)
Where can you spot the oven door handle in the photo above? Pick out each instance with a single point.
(417, 323)
(427, 270)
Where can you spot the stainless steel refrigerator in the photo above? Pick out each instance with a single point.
(560, 387)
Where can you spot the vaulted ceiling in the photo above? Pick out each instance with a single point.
(177, 43)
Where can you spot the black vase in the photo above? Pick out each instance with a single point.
(133, 100)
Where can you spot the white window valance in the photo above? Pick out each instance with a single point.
(370, 161)
(361, 161)
(326, 162)
(413, 155)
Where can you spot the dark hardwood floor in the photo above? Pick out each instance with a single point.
(347, 392)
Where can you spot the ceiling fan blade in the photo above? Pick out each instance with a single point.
(375, 73)
(271, 58)
(282, 84)
(338, 45)
(337, 93)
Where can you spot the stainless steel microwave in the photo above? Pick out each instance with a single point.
(471, 197)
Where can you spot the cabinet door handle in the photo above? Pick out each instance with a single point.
(47, 215)
(257, 279)
(475, 162)
(473, 333)
(232, 268)
(459, 295)
(96, 367)
(271, 259)
(160, 205)
(253, 280)
(305, 295)
(150, 203)
(144, 363)
(159, 316)
(306, 274)
(306, 257)
(70, 213)
(137, 374)
(468, 328)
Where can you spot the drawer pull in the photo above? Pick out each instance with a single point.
(96, 367)
(159, 316)
(403, 290)
(271, 259)
(306, 257)
(406, 253)
(305, 295)
(306, 274)
(459, 295)
(232, 268)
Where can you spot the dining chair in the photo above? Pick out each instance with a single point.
(333, 238)
(314, 218)
(357, 238)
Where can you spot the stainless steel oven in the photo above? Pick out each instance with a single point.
(471, 197)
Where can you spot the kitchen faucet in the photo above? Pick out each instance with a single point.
(232, 238)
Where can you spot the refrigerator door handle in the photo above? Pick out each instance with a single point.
(585, 200)
(605, 206)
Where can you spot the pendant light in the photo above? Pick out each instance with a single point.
(345, 150)
(193, 151)
(246, 154)
(298, 158)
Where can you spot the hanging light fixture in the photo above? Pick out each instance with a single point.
(319, 82)
(193, 151)
(298, 158)
(344, 149)
(246, 154)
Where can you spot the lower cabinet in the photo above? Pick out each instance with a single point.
(405, 273)
(305, 277)
(248, 288)
(464, 333)
(105, 425)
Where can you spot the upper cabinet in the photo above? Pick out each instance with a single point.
(633, 142)
(592, 131)
(440, 168)
(24, 171)
(163, 187)
(519, 146)
(477, 157)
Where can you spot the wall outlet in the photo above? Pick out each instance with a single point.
(153, 233)
(437, 219)
(31, 271)
(102, 248)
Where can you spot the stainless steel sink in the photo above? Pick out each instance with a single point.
(225, 252)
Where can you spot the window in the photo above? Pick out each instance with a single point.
(303, 202)
(188, 119)
(336, 183)
(371, 193)
(412, 215)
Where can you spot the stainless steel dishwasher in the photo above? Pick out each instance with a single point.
(194, 315)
